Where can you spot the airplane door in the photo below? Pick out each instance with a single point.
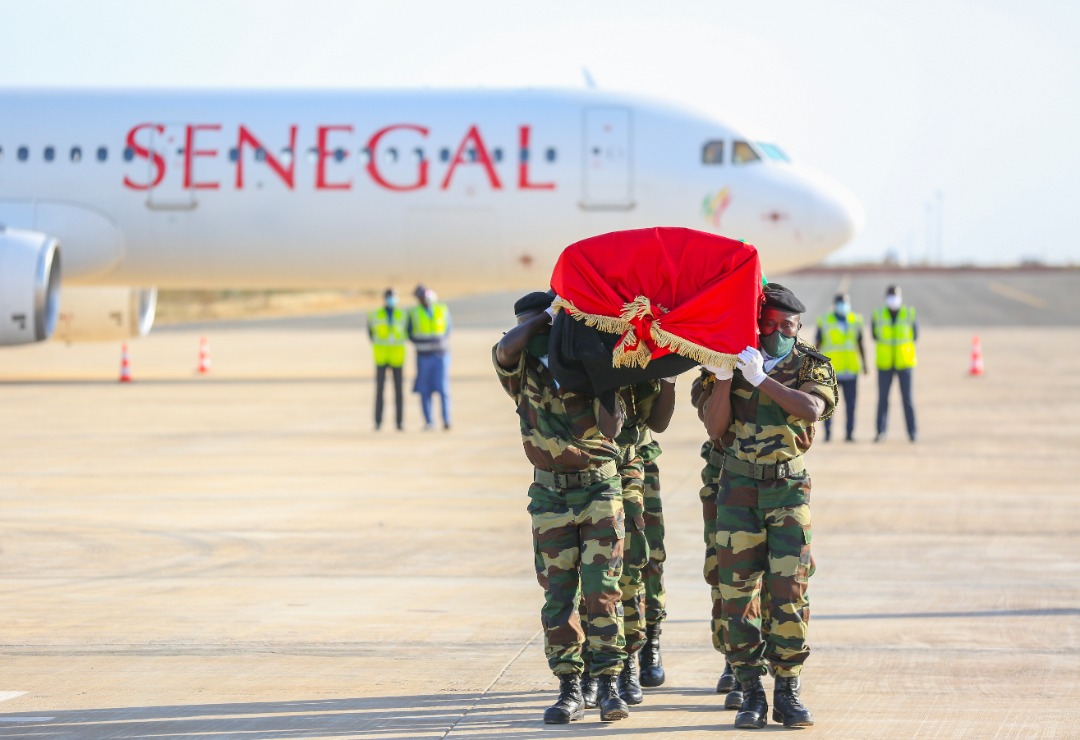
(607, 177)
(170, 194)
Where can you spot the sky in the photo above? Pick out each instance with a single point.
(956, 123)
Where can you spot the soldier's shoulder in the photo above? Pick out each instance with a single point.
(812, 355)
(815, 366)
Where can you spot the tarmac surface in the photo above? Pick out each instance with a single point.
(240, 555)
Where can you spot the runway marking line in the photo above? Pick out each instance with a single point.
(5, 695)
(1016, 294)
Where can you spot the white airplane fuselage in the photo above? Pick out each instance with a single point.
(458, 189)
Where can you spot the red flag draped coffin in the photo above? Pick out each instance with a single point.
(649, 303)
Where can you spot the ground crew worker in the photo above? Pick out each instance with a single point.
(764, 418)
(386, 329)
(649, 406)
(576, 507)
(840, 338)
(895, 331)
(429, 330)
(652, 668)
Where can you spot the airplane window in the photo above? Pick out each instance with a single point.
(339, 154)
(1, 154)
(550, 154)
(418, 154)
(772, 151)
(444, 155)
(742, 153)
(365, 155)
(23, 154)
(391, 154)
(524, 155)
(76, 154)
(470, 154)
(712, 152)
(102, 154)
(129, 154)
(50, 153)
(234, 154)
(312, 154)
(496, 153)
(260, 155)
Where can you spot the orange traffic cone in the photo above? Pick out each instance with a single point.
(976, 357)
(204, 355)
(125, 366)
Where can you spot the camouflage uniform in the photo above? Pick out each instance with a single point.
(653, 574)
(763, 529)
(638, 401)
(577, 518)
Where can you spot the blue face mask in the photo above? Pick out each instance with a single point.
(843, 308)
(391, 302)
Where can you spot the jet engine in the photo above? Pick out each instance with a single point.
(29, 286)
(105, 314)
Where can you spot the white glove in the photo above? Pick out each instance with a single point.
(721, 373)
(551, 311)
(671, 380)
(752, 365)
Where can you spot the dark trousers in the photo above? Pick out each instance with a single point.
(848, 390)
(399, 398)
(884, 383)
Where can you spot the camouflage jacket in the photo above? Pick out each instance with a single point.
(559, 429)
(638, 401)
(761, 431)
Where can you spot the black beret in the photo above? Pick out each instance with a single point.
(782, 299)
(538, 300)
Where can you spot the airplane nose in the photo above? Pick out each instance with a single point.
(837, 215)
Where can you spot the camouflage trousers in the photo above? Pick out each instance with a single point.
(710, 475)
(653, 573)
(763, 553)
(636, 551)
(578, 551)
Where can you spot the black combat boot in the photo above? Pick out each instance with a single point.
(787, 707)
(734, 698)
(569, 706)
(755, 707)
(727, 680)
(612, 707)
(589, 688)
(652, 668)
(629, 685)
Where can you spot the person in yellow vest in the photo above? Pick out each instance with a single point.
(386, 328)
(895, 331)
(428, 328)
(840, 338)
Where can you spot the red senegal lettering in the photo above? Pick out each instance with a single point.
(323, 153)
(482, 157)
(373, 159)
(523, 168)
(286, 174)
(190, 152)
(156, 159)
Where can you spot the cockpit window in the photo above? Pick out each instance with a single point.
(772, 151)
(742, 152)
(712, 152)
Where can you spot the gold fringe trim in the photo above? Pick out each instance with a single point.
(638, 309)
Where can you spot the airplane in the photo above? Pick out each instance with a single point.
(106, 196)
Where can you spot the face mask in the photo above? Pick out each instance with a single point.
(391, 302)
(538, 347)
(776, 345)
(843, 308)
(893, 302)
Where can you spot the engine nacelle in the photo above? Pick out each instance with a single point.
(105, 314)
(29, 286)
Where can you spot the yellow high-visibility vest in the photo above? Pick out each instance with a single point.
(840, 342)
(429, 326)
(388, 336)
(895, 339)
